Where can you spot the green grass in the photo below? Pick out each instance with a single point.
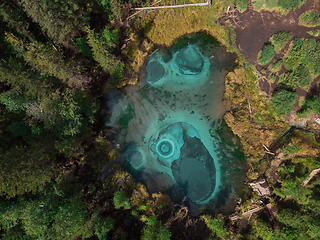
(257, 5)
(272, 4)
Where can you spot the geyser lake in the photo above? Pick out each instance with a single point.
(169, 121)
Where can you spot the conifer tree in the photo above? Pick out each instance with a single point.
(102, 48)
(68, 113)
(21, 79)
(47, 61)
(11, 15)
(25, 169)
(50, 215)
(60, 20)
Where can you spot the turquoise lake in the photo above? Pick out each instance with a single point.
(174, 111)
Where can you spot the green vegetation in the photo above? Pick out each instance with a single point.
(154, 230)
(126, 117)
(258, 4)
(283, 6)
(279, 40)
(290, 4)
(304, 52)
(299, 75)
(216, 226)
(242, 4)
(310, 19)
(315, 32)
(283, 101)
(101, 45)
(310, 106)
(266, 54)
(49, 215)
(302, 62)
(57, 60)
(120, 200)
(275, 66)
(300, 223)
(261, 229)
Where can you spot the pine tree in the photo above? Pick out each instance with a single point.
(216, 226)
(21, 79)
(14, 19)
(101, 48)
(26, 169)
(47, 61)
(60, 20)
(50, 215)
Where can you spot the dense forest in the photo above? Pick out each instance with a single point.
(58, 59)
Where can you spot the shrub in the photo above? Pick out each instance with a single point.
(309, 19)
(289, 4)
(299, 75)
(315, 32)
(154, 230)
(275, 66)
(242, 4)
(305, 52)
(120, 200)
(279, 40)
(266, 54)
(262, 229)
(216, 226)
(310, 105)
(103, 226)
(302, 75)
(283, 101)
(287, 80)
(272, 78)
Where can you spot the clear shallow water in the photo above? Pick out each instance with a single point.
(176, 104)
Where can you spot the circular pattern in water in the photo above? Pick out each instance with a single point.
(155, 71)
(189, 61)
(165, 148)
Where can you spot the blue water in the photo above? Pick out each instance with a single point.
(176, 103)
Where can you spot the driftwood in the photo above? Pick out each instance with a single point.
(312, 174)
(207, 3)
(232, 14)
(250, 212)
(142, 9)
(267, 150)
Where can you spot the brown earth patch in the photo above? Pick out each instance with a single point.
(255, 28)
